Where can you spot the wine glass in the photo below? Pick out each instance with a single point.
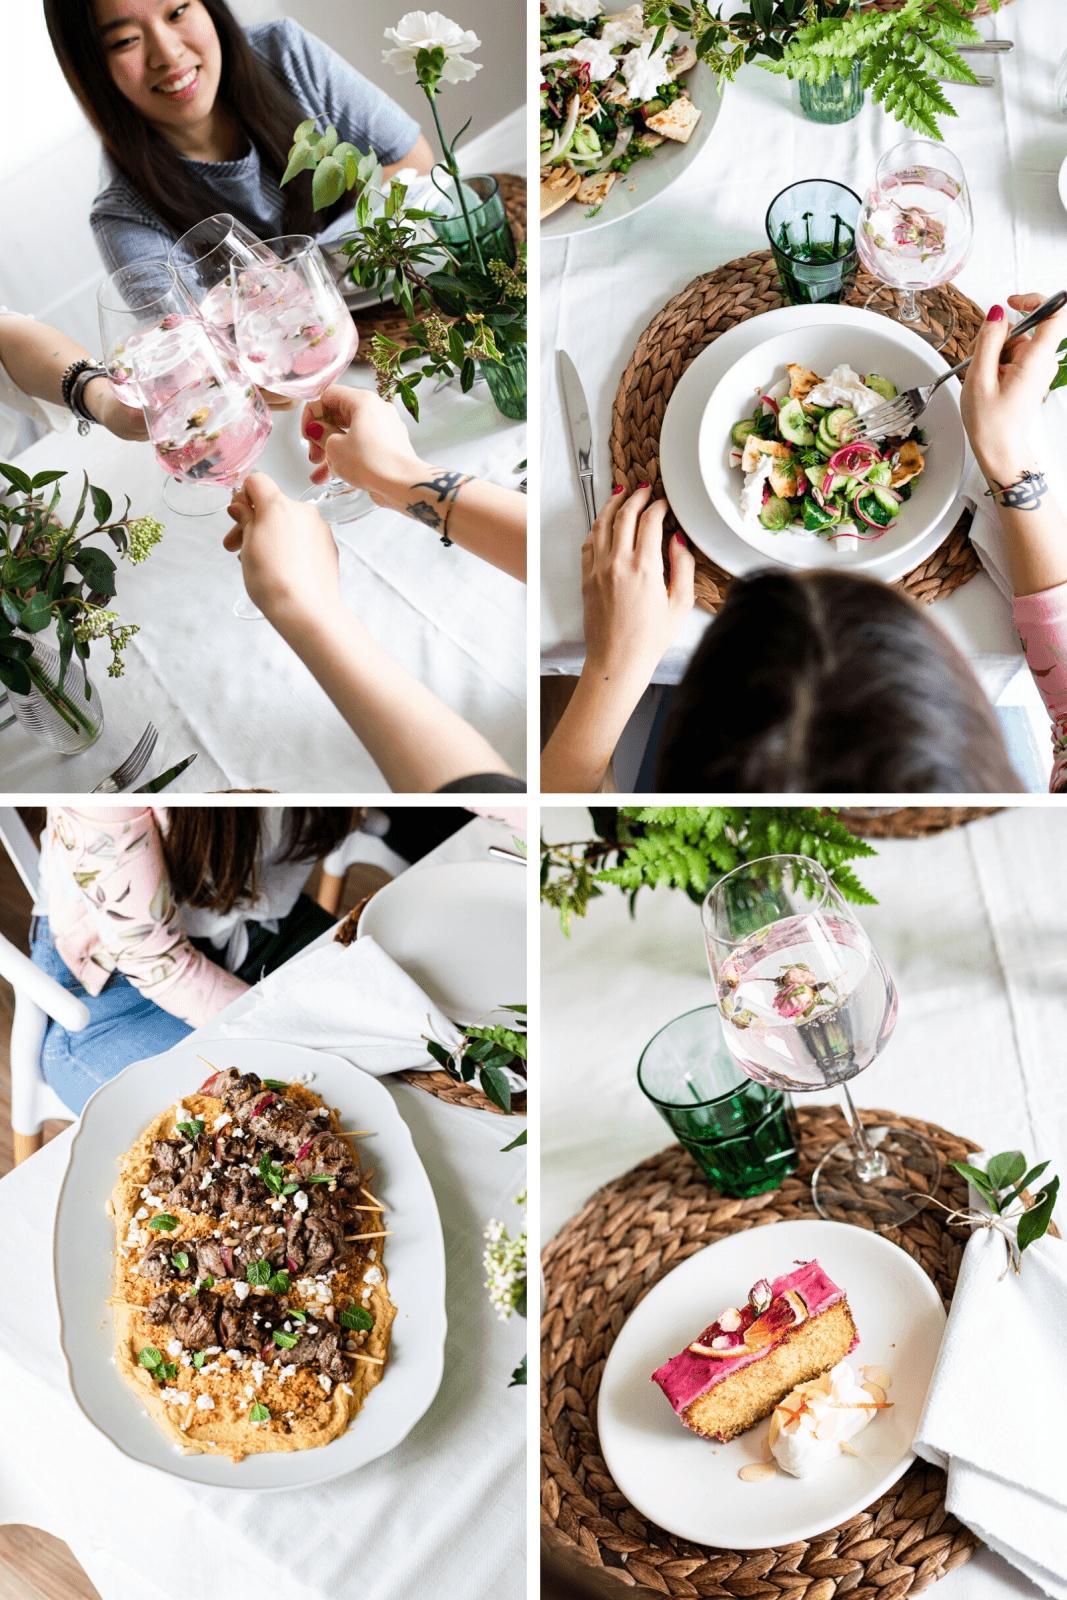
(805, 1003)
(296, 336)
(206, 421)
(915, 232)
(203, 260)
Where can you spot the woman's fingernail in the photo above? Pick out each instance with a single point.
(619, 489)
(996, 314)
(313, 430)
(677, 539)
(642, 485)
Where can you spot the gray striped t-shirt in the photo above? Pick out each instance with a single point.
(127, 229)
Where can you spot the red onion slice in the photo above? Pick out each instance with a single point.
(265, 1102)
(226, 1252)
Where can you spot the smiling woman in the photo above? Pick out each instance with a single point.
(196, 116)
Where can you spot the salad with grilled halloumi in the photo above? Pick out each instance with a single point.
(608, 98)
(804, 473)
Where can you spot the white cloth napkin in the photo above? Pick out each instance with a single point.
(987, 536)
(352, 1000)
(993, 1417)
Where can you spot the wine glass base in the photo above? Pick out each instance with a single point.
(338, 505)
(937, 320)
(187, 499)
(912, 1171)
(247, 611)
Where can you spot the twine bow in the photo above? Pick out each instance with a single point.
(986, 1219)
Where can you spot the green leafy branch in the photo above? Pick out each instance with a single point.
(1060, 380)
(482, 1053)
(903, 52)
(690, 848)
(1001, 1185)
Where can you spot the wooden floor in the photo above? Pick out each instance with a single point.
(34, 1565)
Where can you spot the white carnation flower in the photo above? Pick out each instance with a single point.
(425, 30)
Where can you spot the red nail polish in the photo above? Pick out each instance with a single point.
(996, 314)
(313, 430)
(619, 489)
(642, 485)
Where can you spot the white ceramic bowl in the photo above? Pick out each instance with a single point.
(906, 363)
(645, 179)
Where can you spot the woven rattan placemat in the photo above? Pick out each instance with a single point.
(600, 1266)
(912, 822)
(439, 1084)
(389, 321)
(707, 308)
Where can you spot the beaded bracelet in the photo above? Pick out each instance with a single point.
(72, 372)
(1025, 492)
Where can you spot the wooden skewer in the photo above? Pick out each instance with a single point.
(379, 1361)
(384, 1234)
(379, 1203)
(368, 1208)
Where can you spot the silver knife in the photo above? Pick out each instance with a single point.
(580, 429)
(988, 45)
(980, 82)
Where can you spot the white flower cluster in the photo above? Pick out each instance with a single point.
(505, 1262)
(428, 30)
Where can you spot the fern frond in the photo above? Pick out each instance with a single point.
(906, 91)
(938, 56)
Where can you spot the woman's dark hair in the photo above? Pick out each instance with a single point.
(212, 852)
(262, 104)
(823, 682)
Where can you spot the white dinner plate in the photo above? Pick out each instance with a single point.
(460, 931)
(114, 1118)
(680, 443)
(689, 1485)
(648, 178)
(821, 349)
(1063, 183)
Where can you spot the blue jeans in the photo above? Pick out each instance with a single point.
(123, 1026)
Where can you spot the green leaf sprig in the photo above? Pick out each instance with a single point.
(1001, 1185)
(164, 1223)
(482, 1053)
(191, 1130)
(259, 1413)
(262, 1273)
(275, 1177)
(356, 1317)
(162, 1371)
(519, 1375)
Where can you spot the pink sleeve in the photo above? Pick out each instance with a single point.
(112, 910)
(1042, 623)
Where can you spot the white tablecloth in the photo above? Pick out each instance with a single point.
(973, 927)
(601, 290)
(232, 690)
(443, 1513)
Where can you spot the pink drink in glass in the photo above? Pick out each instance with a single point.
(154, 363)
(292, 343)
(210, 433)
(915, 228)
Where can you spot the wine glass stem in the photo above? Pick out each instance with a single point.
(869, 1163)
(909, 309)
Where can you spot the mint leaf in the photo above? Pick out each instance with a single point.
(279, 1283)
(1005, 1169)
(275, 1083)
(164, 1223)
(298, 1316)
(191, 1129)
(150, 1357)
(356, 1317)
(180, 1260)
(290, 1188)
(259, 1413)
(208, 1282)
(169, 1371)
(285, 1340)
(259, 1271)
(199, 1359)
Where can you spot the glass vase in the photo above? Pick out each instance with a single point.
(507, 381)
(65, 716)
(488, 219)
(837, 100)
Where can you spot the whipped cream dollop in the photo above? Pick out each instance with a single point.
(817, 1418)
(845, 388)
(752, 490)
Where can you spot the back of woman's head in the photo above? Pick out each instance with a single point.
(823, 682)
(213, 853)
(263, 106)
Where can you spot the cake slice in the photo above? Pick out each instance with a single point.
(750, 1357)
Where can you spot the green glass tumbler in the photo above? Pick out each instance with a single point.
(488, 219)
(837, 100)
(742, 1135)
(811, 226)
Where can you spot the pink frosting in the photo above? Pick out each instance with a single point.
(686, 1376)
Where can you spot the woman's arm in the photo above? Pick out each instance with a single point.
(420, 156)
(289, 566)
(631, 617)
(37, 356)
(361, 438)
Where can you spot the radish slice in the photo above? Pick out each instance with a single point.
(291, 1264)
(735, 456)
(828, 482)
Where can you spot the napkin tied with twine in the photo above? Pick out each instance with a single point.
(998, 1394)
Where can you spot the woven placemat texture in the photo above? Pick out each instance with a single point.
(912, 822)
(707, 308)
(390, 321)
(439, 1084)
(600, 1266)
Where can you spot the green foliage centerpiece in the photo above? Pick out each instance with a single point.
(461, 313)
(903, 52)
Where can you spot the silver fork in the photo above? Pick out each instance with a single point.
(900, 414)
(132, 767)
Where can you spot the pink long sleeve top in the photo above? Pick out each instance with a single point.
(110, 909)
(1042, 623)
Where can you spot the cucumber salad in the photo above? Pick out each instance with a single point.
(609, 96)
(802, 471)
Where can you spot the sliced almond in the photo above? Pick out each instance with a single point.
(847, 1449)
(878, 1375)
(875, 1391)
(757, 1472)
(768, 1453)
(775, 1428)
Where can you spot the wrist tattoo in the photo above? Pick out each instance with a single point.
(1025, 494)
(446, 486)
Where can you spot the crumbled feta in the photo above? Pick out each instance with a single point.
(249, 1391)
(205, 1181)
(187, 1360)
(220, 1122)
(176, 1397)
(845, 388)
(325, 1382)
(752, 492)
(625, 27)
(140, 1215)
(288, 1326)
(234, 1355)
(276, 1205)
(346, 1389)
(287, 1371)
(577, 10)
(213, 1350)
(646, 71)
(300, 1200)
(593, 53)
(322, 1111)
(242, 1290)
(373, 1275)
(204, 1402)
(174, 1348)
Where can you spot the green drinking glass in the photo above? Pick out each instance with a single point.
(742, 1135)
(488, 219)
(812, 231)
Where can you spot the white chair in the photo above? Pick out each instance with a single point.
(37, 997)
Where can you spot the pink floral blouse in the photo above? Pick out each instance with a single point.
(110, 909)
(1042, 623)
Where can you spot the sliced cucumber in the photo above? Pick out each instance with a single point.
(884, 498)
(881, 386)
(741, 431)
(824, 441)
(836, 421)
(793, 425)
(776, 514)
